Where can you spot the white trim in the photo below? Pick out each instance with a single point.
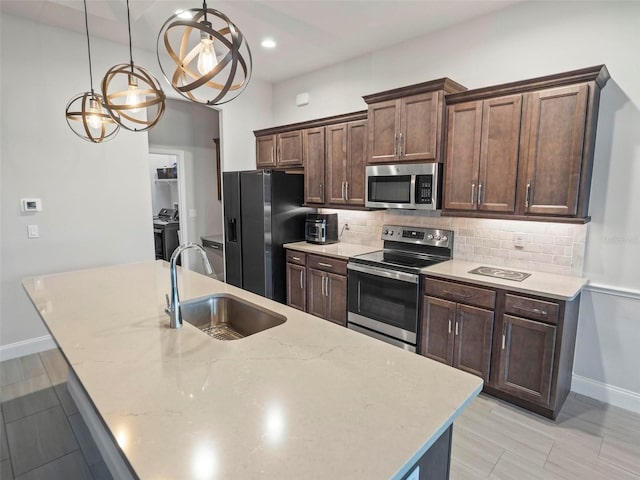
(26, 347)
(615, 291)
(618, 397)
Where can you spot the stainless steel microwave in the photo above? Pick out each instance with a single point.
(408, 186)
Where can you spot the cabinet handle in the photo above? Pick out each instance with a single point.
(395, 145)
(526, 200)
(322, 286)
(537, 311)
(401, 145)
(449, 325)
(342, 191)
(457, 294)
(326, 286)
(479, 194)
(321, 193)
(272, 159)
(346, 191)
(473, 194)
(328, 265)
(279, 154)
(504, 338)
(301, 280)
(457, 329)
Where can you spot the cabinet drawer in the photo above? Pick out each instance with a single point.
(531, 308)
(296, 257)
(327, 264)
(460, 293)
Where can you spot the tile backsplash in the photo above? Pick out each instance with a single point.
(548, 247)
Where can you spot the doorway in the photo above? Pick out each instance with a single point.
(188, 136)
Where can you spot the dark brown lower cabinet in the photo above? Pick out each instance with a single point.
(526, 358)
(327, 296)
(458, 335)
(296, 289)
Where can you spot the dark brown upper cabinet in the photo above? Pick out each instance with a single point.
(481, 160)
(524, 150)
(406, 124)
(314, 172)
(346, 152)
(279, 150)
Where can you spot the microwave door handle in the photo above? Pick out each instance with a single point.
(412, 193)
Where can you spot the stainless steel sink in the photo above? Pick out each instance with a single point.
(226, 317)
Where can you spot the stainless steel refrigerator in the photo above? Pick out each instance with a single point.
(262, 211)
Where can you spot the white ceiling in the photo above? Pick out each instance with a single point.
(310, 34)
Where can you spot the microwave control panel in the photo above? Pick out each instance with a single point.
(424, 189)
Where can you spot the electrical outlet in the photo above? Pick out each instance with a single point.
(518, 240)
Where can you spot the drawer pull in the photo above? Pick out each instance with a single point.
(457, 294)
(328, 265)
(296, 258)
(537, 311)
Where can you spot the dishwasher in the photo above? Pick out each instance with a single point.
(214, 246)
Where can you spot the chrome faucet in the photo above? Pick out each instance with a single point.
(173, 305)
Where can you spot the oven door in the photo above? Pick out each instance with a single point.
(384, 301)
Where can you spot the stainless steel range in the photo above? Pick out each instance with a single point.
(384, 286)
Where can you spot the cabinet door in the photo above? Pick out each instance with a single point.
(462, 161)
(472, 345)
(337, 297)
(436, 338)
(555, 127)
(336, 163)
(499, 154)
(526, 358)
(316, 297)
(314, 150)
(419, 127)
(296, 291)
(290, 149)
(356, 161)
(384, 123)
(266, 151)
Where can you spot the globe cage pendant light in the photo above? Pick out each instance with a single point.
(193, 67)
(132, 96)
(85, 113)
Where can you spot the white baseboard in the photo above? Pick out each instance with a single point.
(610, 394)
(26, 347)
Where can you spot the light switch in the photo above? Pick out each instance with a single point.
(518, 240)
(33, 231)
(193, 213)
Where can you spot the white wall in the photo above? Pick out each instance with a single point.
(520, 42)
(96, 200)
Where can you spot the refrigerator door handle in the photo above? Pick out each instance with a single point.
(232, 231)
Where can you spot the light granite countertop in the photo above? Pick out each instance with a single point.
(560, 287)
(338, 250)
(306, 399)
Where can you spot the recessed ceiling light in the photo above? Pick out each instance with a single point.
(268, 43)
(184, 14)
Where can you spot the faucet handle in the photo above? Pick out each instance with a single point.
(168, 307)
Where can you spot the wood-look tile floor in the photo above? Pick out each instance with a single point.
(42, 435)
(491, 439)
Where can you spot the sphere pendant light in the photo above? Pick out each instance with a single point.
(132, 96)
(206, 63)
(85, 113)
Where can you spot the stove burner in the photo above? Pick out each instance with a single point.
(501, 273)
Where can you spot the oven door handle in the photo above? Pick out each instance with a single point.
(383, 272)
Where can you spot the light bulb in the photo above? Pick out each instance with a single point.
(93, 118)
(207, 59)
(134, 99)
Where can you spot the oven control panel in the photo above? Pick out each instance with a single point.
(418, 235)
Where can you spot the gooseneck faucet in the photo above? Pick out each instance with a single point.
(173, 306)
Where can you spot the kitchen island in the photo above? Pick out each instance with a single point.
(306, 399)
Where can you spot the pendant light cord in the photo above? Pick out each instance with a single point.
(129, 25)
(86, 26)
(204, 8)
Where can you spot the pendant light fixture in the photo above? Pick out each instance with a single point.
(85, 113)
(206, 64)
(133, 96)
